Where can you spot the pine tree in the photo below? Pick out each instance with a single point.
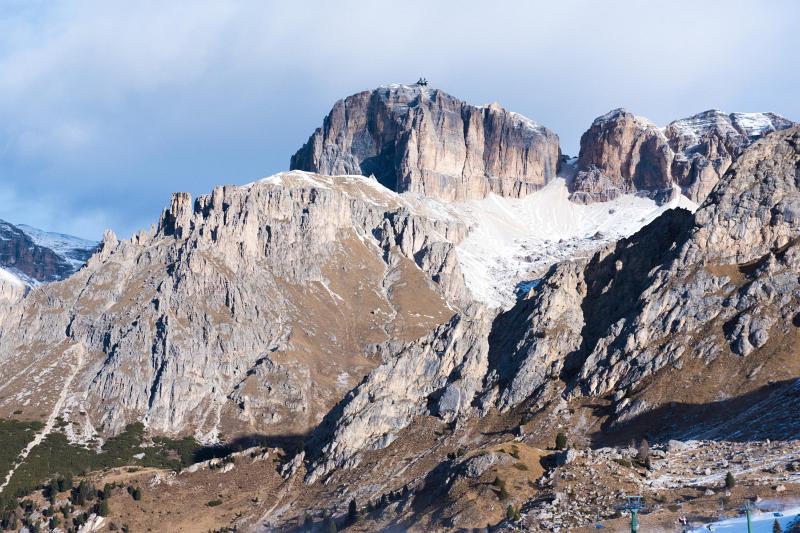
(308, 523)
(776, 527)
(135, 492)
(83, 493)
(352, 512)
(51, 490)
(510, 512)
(561, 441)
(102, 507)
(730, 481)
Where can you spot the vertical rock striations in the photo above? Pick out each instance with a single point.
(412, 138)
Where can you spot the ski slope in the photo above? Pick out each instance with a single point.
(761, 522)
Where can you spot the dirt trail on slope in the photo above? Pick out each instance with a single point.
(51, 419)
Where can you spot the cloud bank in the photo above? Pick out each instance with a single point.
(106, 107)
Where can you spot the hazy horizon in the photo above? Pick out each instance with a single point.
(105, 110)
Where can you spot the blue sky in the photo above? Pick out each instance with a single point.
(107, 107)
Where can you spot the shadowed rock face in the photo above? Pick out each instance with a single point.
(423, 140)
(623, 153)
(20, 253)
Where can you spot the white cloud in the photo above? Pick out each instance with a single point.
(102, 100)
(50, 213)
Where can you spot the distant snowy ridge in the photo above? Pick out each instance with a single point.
(75, 250)
(750, 125)
(33, 256)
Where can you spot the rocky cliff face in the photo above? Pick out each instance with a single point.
(252, 309)
(687, 291)
(620, 154)
(36, 256)
(425, 141)
(623, 153)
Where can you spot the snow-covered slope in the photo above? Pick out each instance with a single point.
(11, 286)
(690, 132)
(513, 241)
(6, 276)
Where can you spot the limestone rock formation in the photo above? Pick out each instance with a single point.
(422, 140)
(448, 364)
(623, 153)
(684, 291)
(251, 309)
(706, 144)
(620, 154)
(698, 287)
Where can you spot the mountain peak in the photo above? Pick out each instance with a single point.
(414, 138)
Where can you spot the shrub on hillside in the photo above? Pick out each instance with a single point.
(561, 441)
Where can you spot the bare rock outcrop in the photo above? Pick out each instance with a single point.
(688, 286)
(623, 153)
(620, 154)
(438, 374)
(251, 309)
(684, 288)
(422, 140)
(705, 145)
(726, 282)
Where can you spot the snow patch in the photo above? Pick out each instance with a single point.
(753, 124)
(514, 240)
(762, 522)
(6, 276)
